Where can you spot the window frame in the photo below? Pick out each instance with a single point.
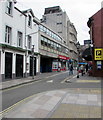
(9, 7)
(29, 21)
(29, 41)
(8, 34)
(19, 38)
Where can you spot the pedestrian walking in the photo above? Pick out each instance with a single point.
(70, 69)
(82, 69)
(78, 70)
(86, 68)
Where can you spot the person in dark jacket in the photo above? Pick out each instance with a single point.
(70, 69)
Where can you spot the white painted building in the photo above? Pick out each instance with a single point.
(17, 35)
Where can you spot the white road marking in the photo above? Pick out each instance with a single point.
(32, 82)
(50, 81)
(68, 79)
(75, 76)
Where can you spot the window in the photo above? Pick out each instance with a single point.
(52, 45)
(29, 42)
(55, 46)
(9, 8)
(20, 37)
(44, 29)
(59, 23)
(49, 43)
(8, 34)
(42, 40)
(29, 21)
(45, 41)
(59, 14)
(59, 48)
(60, 32)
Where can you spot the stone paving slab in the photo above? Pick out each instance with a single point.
(76, 111)
(65, 103)
(38, 107)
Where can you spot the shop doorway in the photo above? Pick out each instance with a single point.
(46, 64)
(19, 65)
(31, 66)
(8, 65)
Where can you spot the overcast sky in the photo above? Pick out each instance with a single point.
(78, 11)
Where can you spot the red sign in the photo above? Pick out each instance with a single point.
(63, 57)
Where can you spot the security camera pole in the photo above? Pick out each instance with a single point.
(33, 62)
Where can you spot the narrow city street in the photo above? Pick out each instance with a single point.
(51, 59)
(58, 81)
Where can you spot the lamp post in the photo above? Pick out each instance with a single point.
(33, 62)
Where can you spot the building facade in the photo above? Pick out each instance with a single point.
(27, 46)
(54, 54)
(16, 42)
(58, 20)
(95, 24)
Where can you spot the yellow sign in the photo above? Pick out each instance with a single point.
(98, 54)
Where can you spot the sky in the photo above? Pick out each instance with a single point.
(78, 11)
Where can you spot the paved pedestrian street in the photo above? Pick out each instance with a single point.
(77, 111)
(65, 103)
(79, 106)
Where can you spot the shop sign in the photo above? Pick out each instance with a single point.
(99, 64)
(63, 57)
(98, 54)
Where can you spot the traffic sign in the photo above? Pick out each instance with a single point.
(98, 54)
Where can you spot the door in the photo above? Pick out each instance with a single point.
(8, 65)
(19, 65)
(31, 66)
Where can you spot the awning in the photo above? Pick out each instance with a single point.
(87, 54)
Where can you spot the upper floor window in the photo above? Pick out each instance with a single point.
(9, 8)
(20, 38)
(29, 42)
(8, 34)
(59, 14)
(29, 21)
(59, 23)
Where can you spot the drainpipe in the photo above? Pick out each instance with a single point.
(26, 50)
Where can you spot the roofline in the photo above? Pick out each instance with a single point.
(20, 11)
(30, 10)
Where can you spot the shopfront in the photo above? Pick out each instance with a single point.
(60, 63)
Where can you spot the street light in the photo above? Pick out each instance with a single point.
(33, 62)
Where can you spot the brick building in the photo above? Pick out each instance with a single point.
(95, 23)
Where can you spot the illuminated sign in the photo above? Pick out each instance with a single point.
(98, 54)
